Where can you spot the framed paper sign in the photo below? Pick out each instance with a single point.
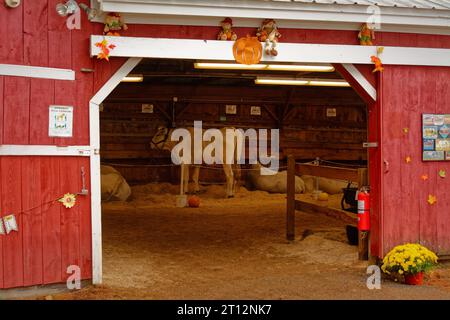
(436, 137)
(60, 122)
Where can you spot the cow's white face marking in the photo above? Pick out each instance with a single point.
(160, 138)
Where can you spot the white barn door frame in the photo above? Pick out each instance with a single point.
(94, 123)
(94, 128)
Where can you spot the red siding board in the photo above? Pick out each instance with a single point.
(1, 107)
(51, 228)
(31, 221)
(35, 34)
(1, 238)
(42, 95)
(442, 211)
(69, 173)
(374, 178)
(11, 44)
(16, 110)
(84, 205)
(84, 83)
(393, 222)
(12, 204)
(65, 94)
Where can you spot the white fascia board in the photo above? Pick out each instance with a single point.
(282, 11)
(16, 70)
(44, 150)
(136, 18)
(288, 52)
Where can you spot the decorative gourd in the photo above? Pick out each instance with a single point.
(194, 202)
(247, 50)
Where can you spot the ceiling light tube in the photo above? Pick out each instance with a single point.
(133, 78)
(282, 82)
(327, 83)
(299, 68)
(302, 82)
(229, 66)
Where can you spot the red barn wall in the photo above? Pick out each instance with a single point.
(407, 93)
(51, 239)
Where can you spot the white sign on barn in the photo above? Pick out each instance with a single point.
(60, 122)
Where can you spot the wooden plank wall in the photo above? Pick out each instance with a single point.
(306, 131)
(50, 238)
(407, 216)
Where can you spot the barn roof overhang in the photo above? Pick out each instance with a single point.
(418, 16)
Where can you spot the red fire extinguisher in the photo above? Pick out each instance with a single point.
(363, 210)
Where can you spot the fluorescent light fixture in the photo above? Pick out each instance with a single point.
(133, 78)
(293, 67)
(327, 83)
(303, 82)
(271, 67)
(229, 66)
(282, 82)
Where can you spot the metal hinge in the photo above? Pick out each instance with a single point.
(370, 145)
(84, 152)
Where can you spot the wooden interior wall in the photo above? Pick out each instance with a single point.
(306, 131)
(407, 216)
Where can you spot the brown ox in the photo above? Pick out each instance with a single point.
(162, 141)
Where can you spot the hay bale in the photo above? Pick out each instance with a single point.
(114, 185)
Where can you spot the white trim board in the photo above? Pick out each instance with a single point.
(288, 52)
(44, 150)
(17, 70)
(282, 10)
(94, 131)
(361, 79)
(136, 18)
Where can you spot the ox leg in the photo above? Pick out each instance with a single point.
(229, 175)
(186, 178)
(195, 176)
(237, 177)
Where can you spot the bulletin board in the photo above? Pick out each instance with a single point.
(436, 137)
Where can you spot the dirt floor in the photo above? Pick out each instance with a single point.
(233, 249)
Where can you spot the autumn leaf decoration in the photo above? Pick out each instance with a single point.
(377, 61)
(105, 49)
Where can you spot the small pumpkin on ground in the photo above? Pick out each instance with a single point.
(194, 202)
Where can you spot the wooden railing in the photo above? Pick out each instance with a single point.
(356, 175)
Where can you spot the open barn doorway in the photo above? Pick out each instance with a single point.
(150, 243)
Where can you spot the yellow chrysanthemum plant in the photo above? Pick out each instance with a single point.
(409, 259)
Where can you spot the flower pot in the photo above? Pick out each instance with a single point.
(414, 279)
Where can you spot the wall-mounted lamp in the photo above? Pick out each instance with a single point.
(12, 3)
(71, 6)
(64, 9)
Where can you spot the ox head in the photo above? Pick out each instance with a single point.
(160, 138)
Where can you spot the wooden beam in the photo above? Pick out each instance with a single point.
(289, 52)
(328, 172)
(164, 112)
(363, 245)
(270, 112)
(290, 212)
(342, 215)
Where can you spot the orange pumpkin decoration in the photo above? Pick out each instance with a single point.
(194, 202)
(247, 50)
